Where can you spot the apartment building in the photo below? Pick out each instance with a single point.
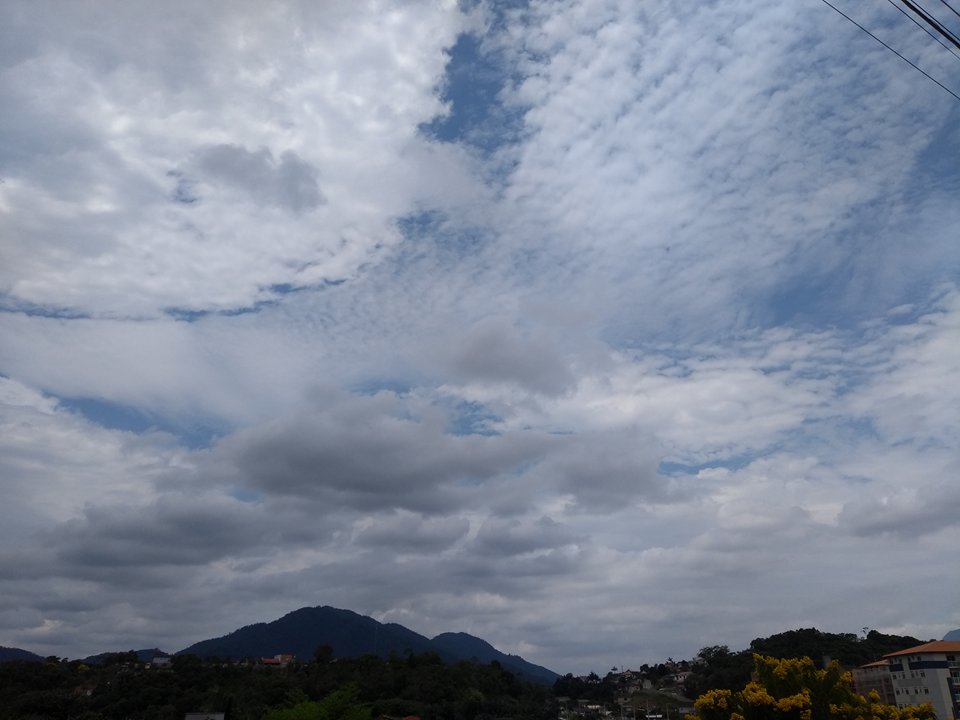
(928, 673)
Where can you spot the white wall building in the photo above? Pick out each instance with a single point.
(874, 677)
(928, 673)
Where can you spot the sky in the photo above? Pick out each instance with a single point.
(603, 331)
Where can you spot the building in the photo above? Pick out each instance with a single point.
(928, 673)
(874, 677)
(277, 660)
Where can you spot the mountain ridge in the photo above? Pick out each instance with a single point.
(12, 653)
(348, 634)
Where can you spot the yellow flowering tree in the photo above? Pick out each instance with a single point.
(793, 689)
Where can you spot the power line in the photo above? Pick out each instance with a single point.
(951, 8)
(917, 23)
(933, 22)
(915, 67)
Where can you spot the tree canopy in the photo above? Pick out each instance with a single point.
(325, 689)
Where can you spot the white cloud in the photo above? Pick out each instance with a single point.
(187, 171)
(916, 399)
(55, 462)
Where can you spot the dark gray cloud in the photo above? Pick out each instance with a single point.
(407, 532)
(502, 537)
(185, 533)
(178, 531)
(288, 182)
(517, 576)
(607, 469)
(495, 350)
(905, 512)
(369, 453)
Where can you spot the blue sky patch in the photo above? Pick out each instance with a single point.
(472, 418)
(477, 116)
(130, 419)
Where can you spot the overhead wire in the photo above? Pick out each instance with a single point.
(950, 8)
(933, 22)
(910, 63)
(928, 32)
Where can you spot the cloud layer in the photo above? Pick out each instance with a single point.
(602, 331)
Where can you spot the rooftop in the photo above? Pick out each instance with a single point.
(937, 646)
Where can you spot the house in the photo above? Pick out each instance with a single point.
(277, 660)
(928, 673)
(680, 677)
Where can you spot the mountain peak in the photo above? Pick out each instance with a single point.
(300, 632)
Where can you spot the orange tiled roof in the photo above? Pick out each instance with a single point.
(878, 663)
(937, 646)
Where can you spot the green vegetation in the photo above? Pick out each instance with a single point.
(323, 689)
(341, 704)
(717, 668)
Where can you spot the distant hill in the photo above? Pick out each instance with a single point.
(953, 636)
(8, 653)
(349, 635)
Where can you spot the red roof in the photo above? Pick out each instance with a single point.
(937, 646)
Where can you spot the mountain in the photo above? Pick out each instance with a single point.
(8, 653)
(953, 635)
(349, 634)
(465, 647)
(301, 631)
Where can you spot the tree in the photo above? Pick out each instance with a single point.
(344, 704)
(322, 654)
(794, 689)
(717, 668)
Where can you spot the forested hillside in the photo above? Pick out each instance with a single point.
(354, 688)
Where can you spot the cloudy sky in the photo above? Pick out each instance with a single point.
(602, 330)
